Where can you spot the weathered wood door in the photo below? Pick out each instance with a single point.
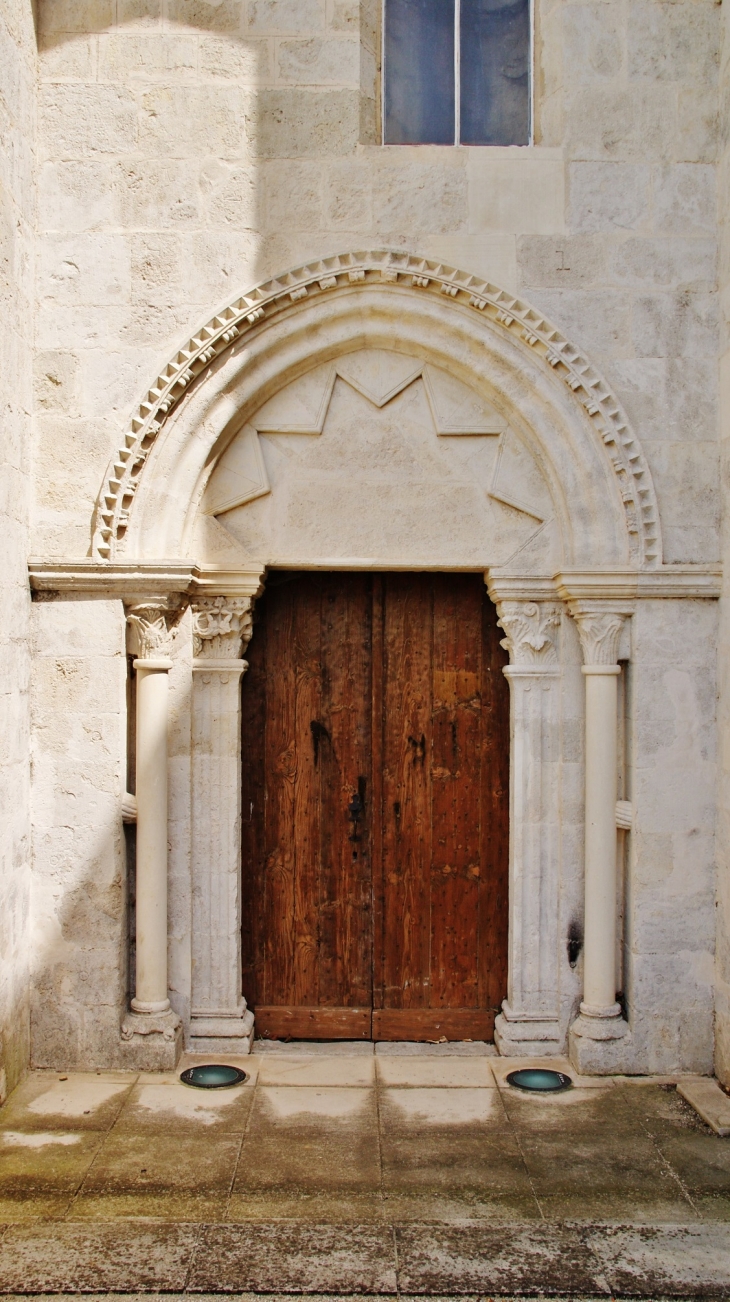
(375, 808)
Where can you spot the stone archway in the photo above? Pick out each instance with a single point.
(557, 608)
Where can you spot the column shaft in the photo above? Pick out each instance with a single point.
(599, 980)
(151, 907)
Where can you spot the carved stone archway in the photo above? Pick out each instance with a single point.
(562, 627)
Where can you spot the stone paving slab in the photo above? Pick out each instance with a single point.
(289, 1258)
(496, 1259)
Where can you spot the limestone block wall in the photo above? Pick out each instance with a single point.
(188, 148)
(17, 217)
(722, 971)
(79, 924)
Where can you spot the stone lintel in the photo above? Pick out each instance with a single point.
(137, 581)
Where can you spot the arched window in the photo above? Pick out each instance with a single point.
(457, 72)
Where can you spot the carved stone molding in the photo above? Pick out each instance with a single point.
(530, 628)
(222, 627)
(151, 628)
(253, 311)
(599, 630)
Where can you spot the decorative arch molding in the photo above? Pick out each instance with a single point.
(499, 311)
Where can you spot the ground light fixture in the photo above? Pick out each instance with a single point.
(213, 1076)
(539, 1080)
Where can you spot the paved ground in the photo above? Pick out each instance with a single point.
(413, 1170)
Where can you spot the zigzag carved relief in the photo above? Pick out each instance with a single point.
(423, 275)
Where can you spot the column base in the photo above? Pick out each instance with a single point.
(600, 1046)
(152, 1041)
(226, 1035)
(527, 1038)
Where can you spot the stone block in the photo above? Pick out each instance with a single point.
(158, 274)
(235, 200)
(594, 39)
(567, 262)
(193, 121)
(601, 319)
(665, 398)
(292, 123)
(67, 16)
(90, 268)
(246, 61)
(348, 196)
(226, 16)
(684, 199)
(698, 125)
(217, 260)
(319, 62)
(673, 42)
(635, 124)
(64, 59)
(155, 194)
(516, 190)
(292, 196)
(139, 13)
(682, 324)
(77, 196)
(83, 120)
(55, 378)
(491, 256)
(107, 380)
(670, 262)
(147, 56)
(422, 198)
(709, 1102)
(285, 16)
(608, 197)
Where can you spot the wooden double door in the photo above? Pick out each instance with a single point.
(375, 808)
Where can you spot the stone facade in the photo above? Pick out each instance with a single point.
(554, 307)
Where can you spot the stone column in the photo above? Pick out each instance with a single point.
(599, 628)
(151, 1018)
(529, 1022)
(220, 1021)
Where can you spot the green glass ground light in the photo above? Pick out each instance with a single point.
(539, 1080)
(213, 1076)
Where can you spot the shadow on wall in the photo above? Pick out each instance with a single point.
(81, 890)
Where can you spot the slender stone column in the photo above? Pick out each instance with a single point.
(220, 1021)
(599, 627)
(149, 640)
(529, 1022)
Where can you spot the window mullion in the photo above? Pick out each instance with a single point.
(457, 71)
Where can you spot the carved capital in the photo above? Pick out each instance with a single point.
(599, 630)
(151, 628)
(222, 627)
(530, 628)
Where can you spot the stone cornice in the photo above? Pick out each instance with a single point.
(382, 267)
(626, 585)
(142, 580)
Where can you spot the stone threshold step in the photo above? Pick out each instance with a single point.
(590, 1260)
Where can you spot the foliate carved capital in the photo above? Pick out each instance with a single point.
(151, 628)
(530, 628)
(599, 630)
(222, 627)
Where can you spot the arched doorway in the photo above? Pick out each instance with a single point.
(375, 808)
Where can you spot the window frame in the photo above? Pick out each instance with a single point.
(456, 143)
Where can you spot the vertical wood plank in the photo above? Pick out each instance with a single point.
(253, 774)
(407, 732)
(280, 759)
(495, 744)
(345, 776)
(307, 655)
(377, 805)
(455, 802)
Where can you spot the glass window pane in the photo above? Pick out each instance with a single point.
(419, 72)
(495, 60)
